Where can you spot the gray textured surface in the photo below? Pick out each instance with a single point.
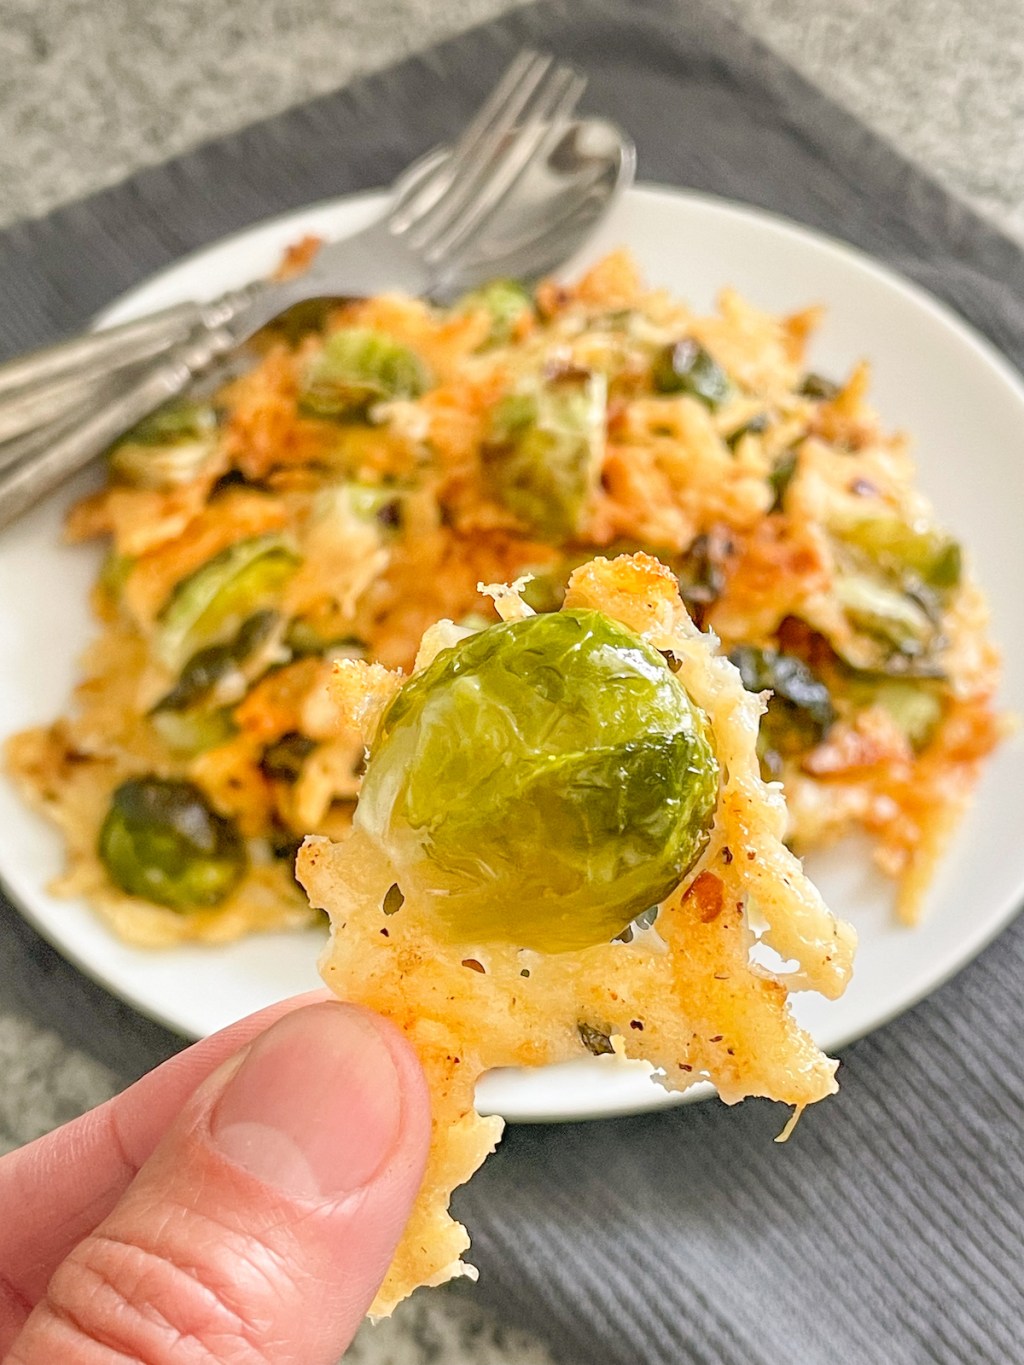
(91, 92)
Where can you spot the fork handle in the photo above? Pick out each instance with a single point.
(66, 448)
(37, 387)
(101, 349)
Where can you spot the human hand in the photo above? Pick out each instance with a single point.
(237, 1206)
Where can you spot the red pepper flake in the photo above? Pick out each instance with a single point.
(474, 966)
(706, 892)
(385, 933)
(636, 1023)
(717, 1038)
(726, 854)
(684, 1067)
(751, 855)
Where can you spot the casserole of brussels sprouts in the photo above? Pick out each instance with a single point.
(374, 461)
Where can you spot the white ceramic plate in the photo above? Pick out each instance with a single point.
(933, 376)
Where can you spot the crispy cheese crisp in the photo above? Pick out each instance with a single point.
(685, 994)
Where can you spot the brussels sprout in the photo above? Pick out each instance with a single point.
(114, 573)
(193, 732)
(284, 758)
(380, 503)
(755, 427)
(781, 477)
(686, 367)
(358, 367)
(542, 782)
(544, 453)
(302, 638)
(702, 572)
(901, 547)
(800, 711)
(915, 706)
(185, 718)
(888, 614)
(507, 301)
(817, 386)
(161, 841)
(210, 604)
(168, 448)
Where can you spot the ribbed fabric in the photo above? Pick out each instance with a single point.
(890, 1230)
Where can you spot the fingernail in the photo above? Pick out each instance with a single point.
(315, 1107)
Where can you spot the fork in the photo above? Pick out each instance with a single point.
(429, 230)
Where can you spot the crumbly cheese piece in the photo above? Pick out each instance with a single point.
(684, 996)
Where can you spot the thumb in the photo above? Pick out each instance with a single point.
(259, 1230)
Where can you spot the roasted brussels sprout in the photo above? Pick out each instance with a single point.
(161, 841)
(168, 448)
(916, 705)
(781, 476)
(195, 714)
(544, 452)
(380, 503)
(358, 367)
(188, 733)
(542, 782)
(114, 573)
(686, 367)
(817, 386)
(507, 301)
(888, 614)
(800, 711)
(283, 759)
(211, 604)
(756, 426)
(903, 548)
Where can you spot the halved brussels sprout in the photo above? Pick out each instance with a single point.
(915, 705)
(358, 367)
(544, 453)
(542, 782)
(283, 759)
(800, 711)
(507, 301)
(686, 367)
(781, 476)
(161, 841)
(188, 733)
(303, 638)
(901, 547)
(888, 614)
(114, 573)
(211, 604)
(380, 503)
(817, 386)
(195, 715)
(168, 448)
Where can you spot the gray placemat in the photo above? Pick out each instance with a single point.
(891, 1228)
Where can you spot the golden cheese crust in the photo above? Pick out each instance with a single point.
(684, 996)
